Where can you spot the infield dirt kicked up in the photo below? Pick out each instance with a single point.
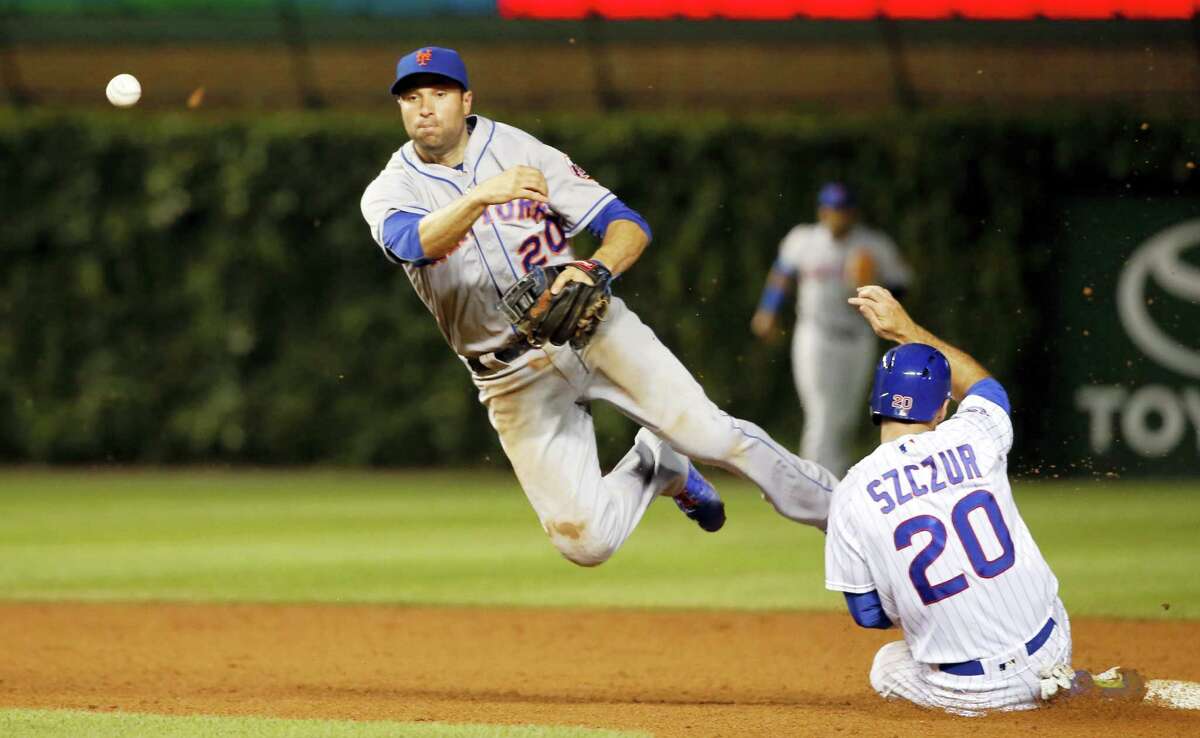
(669, 673)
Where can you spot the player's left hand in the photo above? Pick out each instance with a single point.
(577, 271)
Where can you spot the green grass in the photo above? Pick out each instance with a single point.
(1119, 549)
(73, 723)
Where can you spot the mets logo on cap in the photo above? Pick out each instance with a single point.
(424, 56)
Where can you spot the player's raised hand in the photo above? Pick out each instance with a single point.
(886, 316)
(513, 184)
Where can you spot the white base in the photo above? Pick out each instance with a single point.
(1173, 693)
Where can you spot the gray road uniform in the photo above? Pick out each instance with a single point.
(833, 348)
(537, 400)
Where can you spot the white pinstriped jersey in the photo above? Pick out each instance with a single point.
(507, 241)
(929, 521)
(820, 264)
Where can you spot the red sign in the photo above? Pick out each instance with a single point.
(848, 9)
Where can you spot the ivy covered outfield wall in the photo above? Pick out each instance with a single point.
(190, 289)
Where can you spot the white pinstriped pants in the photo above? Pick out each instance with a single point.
(895, 674)
(538, 406)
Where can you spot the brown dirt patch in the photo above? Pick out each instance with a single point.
(674, 674)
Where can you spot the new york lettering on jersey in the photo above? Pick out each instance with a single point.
(541, 233)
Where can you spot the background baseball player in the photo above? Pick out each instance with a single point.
(832, 351)
(468, 206)
(924, 533)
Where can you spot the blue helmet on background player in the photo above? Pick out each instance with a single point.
(837, 208)
(836, 195)
(911, 384)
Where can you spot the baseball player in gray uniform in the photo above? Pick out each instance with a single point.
(470, 205)
(832, 350)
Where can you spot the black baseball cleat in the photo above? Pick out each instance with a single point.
(700, 502)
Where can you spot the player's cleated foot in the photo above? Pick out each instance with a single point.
(700, 502)
(1115, 683)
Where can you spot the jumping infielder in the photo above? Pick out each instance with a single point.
(832, 350)
(924, 534)
(469, 205)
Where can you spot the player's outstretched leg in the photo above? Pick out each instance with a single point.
(630, 368)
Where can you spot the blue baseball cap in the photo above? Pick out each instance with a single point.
(911, 383)
(431, 60)
(835, 195)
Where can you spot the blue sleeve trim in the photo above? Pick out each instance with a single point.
(989, 389)
(586, 220)
(402, 238)
(772, 299)
(616, 210)
(867, 610)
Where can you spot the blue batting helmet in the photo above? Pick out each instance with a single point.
(911, 383)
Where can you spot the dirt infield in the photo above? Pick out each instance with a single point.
(673, 674)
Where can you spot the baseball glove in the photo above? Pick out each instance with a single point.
(573, 315)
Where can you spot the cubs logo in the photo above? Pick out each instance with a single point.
(424, 56)
(903, 403)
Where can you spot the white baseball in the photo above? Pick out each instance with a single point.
(123, 90)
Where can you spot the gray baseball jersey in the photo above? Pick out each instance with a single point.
(462, 290)
(819, 261)
(929, 521)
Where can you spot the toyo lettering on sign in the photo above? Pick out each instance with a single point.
(1154, 419)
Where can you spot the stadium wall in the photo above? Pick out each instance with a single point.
(290, 60)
